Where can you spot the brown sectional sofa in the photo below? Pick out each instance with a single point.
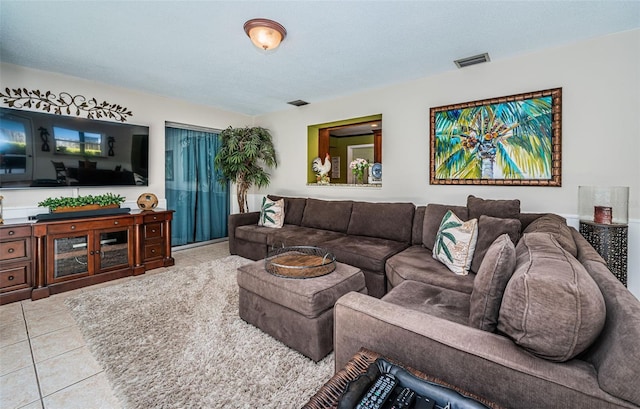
(361, 234)
(425, 315)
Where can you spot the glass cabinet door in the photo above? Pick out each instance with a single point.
(71, 256)
(113, 248)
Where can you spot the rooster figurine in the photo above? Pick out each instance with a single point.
(322, 169)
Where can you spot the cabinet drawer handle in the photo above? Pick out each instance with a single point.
(116, 222)
(91, 252)
(155, 217)
(153, 250)
(11, 232)
(153, 230)
(10, 278)
(73, 227)
(11, 250)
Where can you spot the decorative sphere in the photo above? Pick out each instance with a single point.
(147, 201)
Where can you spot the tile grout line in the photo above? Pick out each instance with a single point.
(33, 361)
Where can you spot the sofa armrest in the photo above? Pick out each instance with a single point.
(390, 329)
(457, 354)
(239, 219)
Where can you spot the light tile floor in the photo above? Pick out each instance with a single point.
(44, 362)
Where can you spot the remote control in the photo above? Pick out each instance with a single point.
(423, 402)
(404, 400)
(378, 393)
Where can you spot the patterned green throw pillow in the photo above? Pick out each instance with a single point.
(271, 213)
(456, 243)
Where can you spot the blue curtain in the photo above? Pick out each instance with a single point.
(192, 189)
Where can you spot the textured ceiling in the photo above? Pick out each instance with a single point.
(198, 51)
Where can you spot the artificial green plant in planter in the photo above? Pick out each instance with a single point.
(241, 157)
(105, 200)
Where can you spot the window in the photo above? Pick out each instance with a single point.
(336, 139)
(77, 142)
(15, 148)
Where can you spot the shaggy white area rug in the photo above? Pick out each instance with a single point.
(175, 340)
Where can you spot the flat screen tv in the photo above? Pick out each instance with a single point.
(47, 150)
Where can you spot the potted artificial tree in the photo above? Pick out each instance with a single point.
(240, 159)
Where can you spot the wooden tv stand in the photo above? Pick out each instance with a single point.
(74, 253)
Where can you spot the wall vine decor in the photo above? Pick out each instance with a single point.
(63, 102)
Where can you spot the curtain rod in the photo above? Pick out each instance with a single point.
(191, 127)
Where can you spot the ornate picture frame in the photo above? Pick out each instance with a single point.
(512, 140)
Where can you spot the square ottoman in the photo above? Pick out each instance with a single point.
(297, 312)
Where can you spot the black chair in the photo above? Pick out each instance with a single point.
(61, 172)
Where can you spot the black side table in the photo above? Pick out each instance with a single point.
(610, 241)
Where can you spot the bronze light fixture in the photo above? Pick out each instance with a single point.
(265, 34)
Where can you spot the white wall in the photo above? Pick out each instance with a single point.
(150, 110)
(600, 130)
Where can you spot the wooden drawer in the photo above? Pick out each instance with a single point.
(15, 232)
(152, 251)
(16, 276)
(154, 217)
(10, 250)
(88, 225)
(152, 231)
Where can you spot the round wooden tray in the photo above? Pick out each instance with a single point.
(300, 262)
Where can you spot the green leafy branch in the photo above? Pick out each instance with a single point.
(267, 211)
(102, 200)
(443, 234)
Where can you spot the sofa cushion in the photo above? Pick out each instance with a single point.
(491, 280)
(392, 221)
(489, 229)
(367, 253)
(527, 218)
(557, 226)
(416, 263)
(437, 301)
(327, 214)
(615, 354)
(418, 224)
(506, 209)
(271, 213)
(456, 243)
(293, 208)
(254, 234)
(551, 306)
(292, 235)
(433, 215)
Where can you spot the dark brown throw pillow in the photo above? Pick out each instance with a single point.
(293, 208)
(489, 229)
(557, 226)
(504, 209)
(488, 286)
(433, 215)
(551, 306)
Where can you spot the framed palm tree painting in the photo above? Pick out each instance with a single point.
(512, 140)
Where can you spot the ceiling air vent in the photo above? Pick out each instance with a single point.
(476, 59)
(298, 103)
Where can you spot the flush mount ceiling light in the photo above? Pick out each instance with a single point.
(265, 34)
